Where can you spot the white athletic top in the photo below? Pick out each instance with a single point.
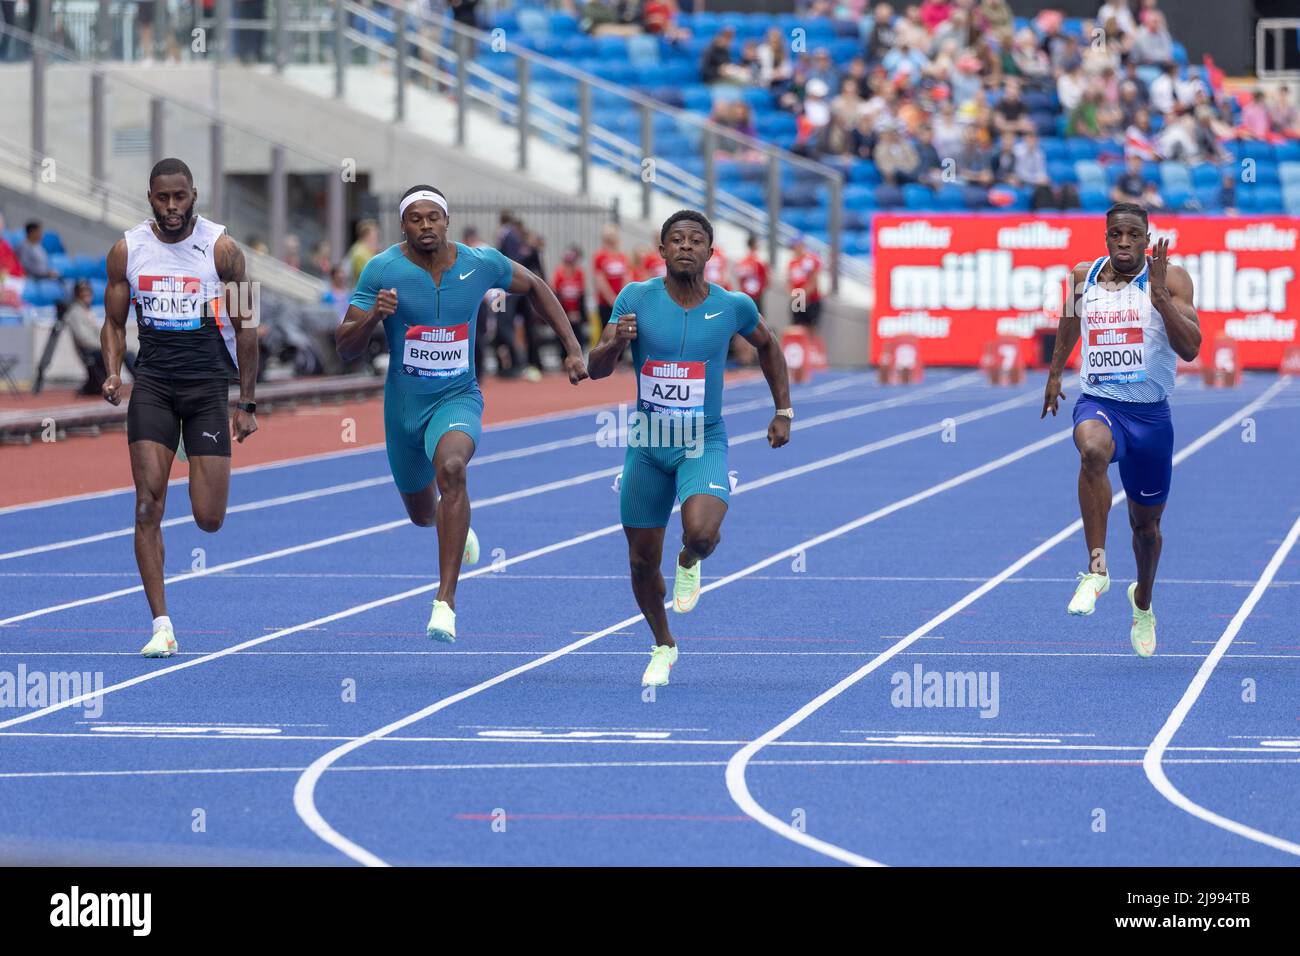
(178, 301)
(1126, 352)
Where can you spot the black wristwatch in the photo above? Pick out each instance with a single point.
(249, 407)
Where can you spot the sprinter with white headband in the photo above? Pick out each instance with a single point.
(426, 291)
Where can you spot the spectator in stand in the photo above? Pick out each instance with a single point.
(862, 140)
(1228, 192)
(1004, 161)
(896, 159)
(857, 74)
(1151, 197)
(929, 168)
(569, 284)
(319, 263)
(751, 273)
(734, 115)
(822, 68)
(1152, 43)
(1011, 115)
(1119, 11)
(659, 18)
(717, 268)
(32, 255)
(1255, 121)
(1130, 103)
(934, 12)
(1283, 114)
(883, 37)
(610, 271)
(948, 130)
(292, 256)
(1168, 92)
(1070, 87)
(1132, 184)
(994, 16)
(1139, 140)
(716, 65)
(9, 264)
(1084, 119)
(750, 63)
(339, 291)
(803, 275)
(1209, 136)
(775, 68)
(649, 264)
(911, 30)
(848, 106)
(365, 248)
(975, 161)
(85, 323)
(1031, 62)
(1031, 169)
(816, 116)
(906, 61)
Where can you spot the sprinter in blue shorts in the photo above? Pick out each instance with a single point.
(1136, 319)
(426, 291)
(679, 327)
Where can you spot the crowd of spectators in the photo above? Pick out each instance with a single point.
(949, 91)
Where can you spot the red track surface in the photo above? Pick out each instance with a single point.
(80, 465)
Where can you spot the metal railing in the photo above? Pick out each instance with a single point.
(1277, 48)
(452, 61)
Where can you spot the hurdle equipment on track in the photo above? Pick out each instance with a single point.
(1003, 361)
(900, 361)
(1223, 370)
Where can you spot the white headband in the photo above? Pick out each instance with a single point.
(422, 194)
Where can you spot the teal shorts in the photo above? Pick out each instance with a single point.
(653, 477)
(413, 426)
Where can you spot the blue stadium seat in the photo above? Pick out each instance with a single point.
(1291, 203)
(699, 99)
(1090, 173)
(1209, 197)
(533, 21)
(1080, 147)
(1093, 199)
(1255, 149)
(751, 193)
(1289, 173)
(1176, 197)
(977, 197)
(1180, 54)
(1205, 175)
(888, 197)
(800, 196)
(1061, 171)
(950, 197)
(564, 23)
(1287, 152)
(857, 196)
(1254, 197)
(864, 171)
(916, 196)
(51, 242)
(1267, 172)
(1175, 176)
(1055, 149)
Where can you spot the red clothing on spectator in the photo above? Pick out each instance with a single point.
(9, 260)
(650, 266)
(805, 273)
(715, 270)
(934, 12)
(657, 15)
(751, 277)
(614, 267)
(568, 285)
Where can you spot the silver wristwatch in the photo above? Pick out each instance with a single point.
(787, 412)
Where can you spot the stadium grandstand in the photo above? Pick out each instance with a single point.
(907, 215)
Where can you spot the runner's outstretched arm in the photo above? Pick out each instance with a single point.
(1067, 335)
(772, 361)
(1171, 294)
(233, 273)
(112, 337)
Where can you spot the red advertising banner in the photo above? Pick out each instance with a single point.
(958, 282)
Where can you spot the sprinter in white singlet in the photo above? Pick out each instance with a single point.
(185, 278)
(1136, 318)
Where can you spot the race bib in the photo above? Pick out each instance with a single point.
(170, 303)
(436, 351)
(1116, 354)
(672, 388)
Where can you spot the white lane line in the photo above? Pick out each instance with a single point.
(1151, 763)
(304, 791)
(694, 653)
(487, 569)
(735, 776)
(745, 438)
(597, 764)
(510, 454)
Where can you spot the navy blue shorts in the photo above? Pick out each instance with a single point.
(1144, 443)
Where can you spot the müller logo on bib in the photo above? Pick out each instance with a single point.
(1117, 337)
